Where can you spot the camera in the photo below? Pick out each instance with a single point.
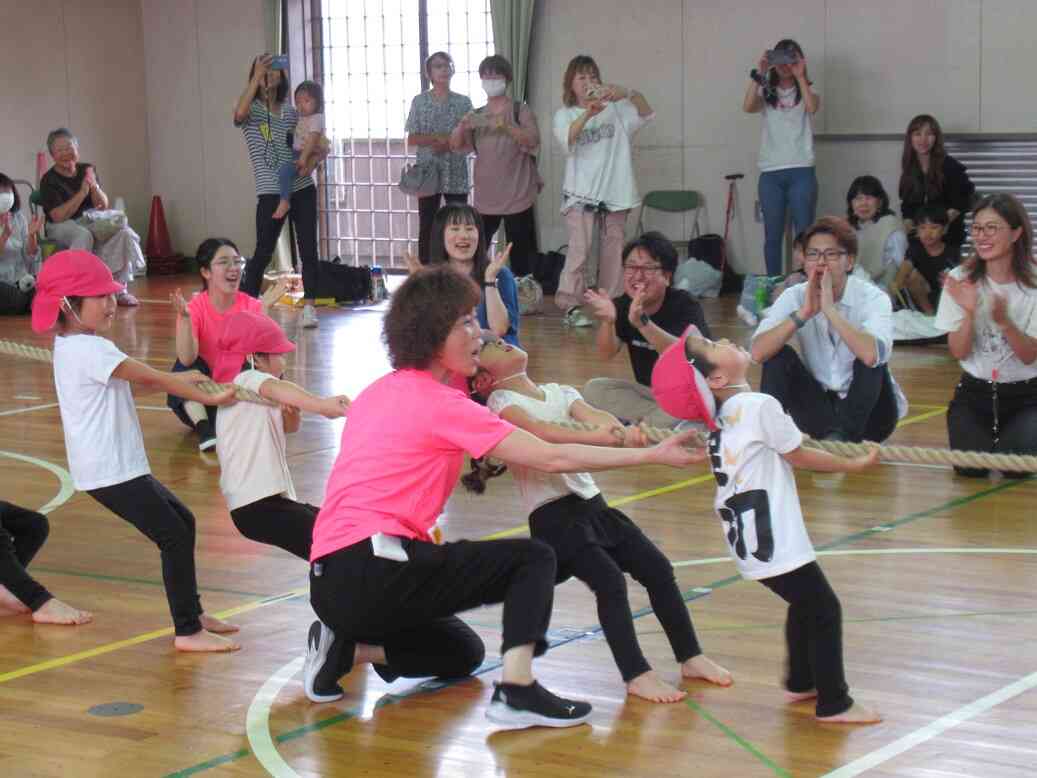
(279, 62)
(781, 57)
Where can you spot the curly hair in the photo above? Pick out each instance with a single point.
(422, 313)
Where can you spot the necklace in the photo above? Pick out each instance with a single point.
(500, 381)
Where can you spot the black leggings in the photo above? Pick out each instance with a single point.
(971, 420)
(176, 404)
(22, 534)
(598, 544)
(408, 607)
(278, 521)
(427, 207)
(813, 637)
(268, 229)
(13, 301)
(520, 231)
(163, 519)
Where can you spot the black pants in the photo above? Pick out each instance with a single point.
(278, 521)
(813, 637)
(408, 607)
(970, 419)
(598, 544)
(427, 207)
(304, 218)
(162, 518)
(868, 412)
(176, 404)
(520, 230)
(13, 301)
(22, 534)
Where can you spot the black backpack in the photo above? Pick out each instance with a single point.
(546, 268)
(345, 283)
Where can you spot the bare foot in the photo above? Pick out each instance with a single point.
(651, 687)
(703, 667)
(800, 696)
(204, 641)
(220, 627)
(857, 714)
(282, 210)
(9, 604)
(54, 611)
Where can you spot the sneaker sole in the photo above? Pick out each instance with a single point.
(509, 718)
(205, 445)
(316, 656)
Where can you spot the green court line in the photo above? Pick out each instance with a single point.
(144, 581)
(689, 596)
(737, 738)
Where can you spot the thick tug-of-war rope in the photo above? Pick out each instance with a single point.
(209, 387)
(1019, 463)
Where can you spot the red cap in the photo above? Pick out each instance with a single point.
(246, 332)
(679, 386)
(71, 273)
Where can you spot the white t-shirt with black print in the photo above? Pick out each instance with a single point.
(990, 349)
(756, 497)
(536, 487)
(599, 166)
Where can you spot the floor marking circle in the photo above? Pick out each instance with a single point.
(257, 726)
(64, 478)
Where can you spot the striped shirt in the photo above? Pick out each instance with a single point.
(269, 141)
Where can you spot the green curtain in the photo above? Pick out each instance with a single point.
(512, 23)
(272, 25)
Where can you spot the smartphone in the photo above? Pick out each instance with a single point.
(781, 57)
(279, 62)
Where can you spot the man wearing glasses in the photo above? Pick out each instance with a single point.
(647, 317)
(838, 387)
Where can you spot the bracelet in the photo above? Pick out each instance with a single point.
(492, 283)
(794, 317)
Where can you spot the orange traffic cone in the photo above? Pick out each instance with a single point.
(159, 249)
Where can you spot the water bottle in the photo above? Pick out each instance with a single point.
(378, 289)
(762, 299)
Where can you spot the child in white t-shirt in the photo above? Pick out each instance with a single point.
(308, 143)
(250, 438)
(103, 440)
(592, 541)
(595, 128)
(753, 447)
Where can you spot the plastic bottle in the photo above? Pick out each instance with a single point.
(378, 289)
(762, 299)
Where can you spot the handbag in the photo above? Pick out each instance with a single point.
(345, 283)
(420, 179)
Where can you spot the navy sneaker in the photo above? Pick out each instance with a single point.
(517, 707)
(316, 683)
(206, 435)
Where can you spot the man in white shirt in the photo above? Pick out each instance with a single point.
(839, 386)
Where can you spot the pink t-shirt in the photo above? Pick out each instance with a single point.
(207, 325)
(402, 452)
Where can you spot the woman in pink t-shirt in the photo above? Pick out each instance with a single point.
(199, 325)
(384, 592)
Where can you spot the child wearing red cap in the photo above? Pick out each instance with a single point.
(254, 478)
(106, 456)
(753, 447)
(593, 542)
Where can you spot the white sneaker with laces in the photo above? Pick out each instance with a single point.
(309, 317)
(575, 317)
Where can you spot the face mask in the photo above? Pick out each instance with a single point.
(494, 87)
(6, 201)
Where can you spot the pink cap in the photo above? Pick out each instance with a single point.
(246, 332)
(71, 273)
(679, 386)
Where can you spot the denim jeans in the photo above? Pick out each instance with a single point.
(794, 189)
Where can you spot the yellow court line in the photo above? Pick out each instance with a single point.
(108, 648)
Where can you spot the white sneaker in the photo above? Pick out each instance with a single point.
(747, 316)
(309, 317)
(318, 643)
(575, 317)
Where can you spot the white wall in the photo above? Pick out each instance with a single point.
(80, 66)
(875, 64)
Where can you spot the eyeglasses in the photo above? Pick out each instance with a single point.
(229, 263)
(830, 255)
(988, 230)
(646, 270)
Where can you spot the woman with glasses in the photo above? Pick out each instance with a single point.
(647, 317)
(199, 325)
(989, 312)
(841, 387)
(929, 175)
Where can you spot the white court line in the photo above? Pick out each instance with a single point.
(257, 722)
(876, 552)
(64, 478)
(931, 730)
(27, 397)
(27, 409)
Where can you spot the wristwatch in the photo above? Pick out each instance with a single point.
(794, 317)
(644, 320)
(492, 283)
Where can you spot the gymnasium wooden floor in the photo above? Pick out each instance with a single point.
(936, 575)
